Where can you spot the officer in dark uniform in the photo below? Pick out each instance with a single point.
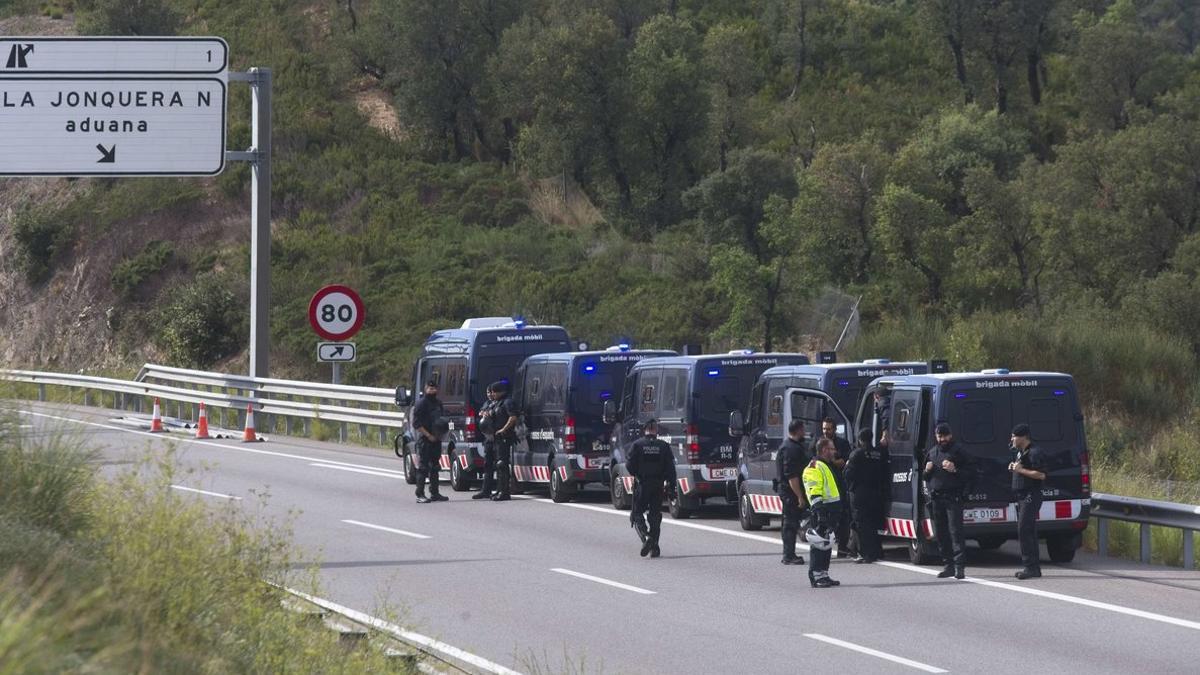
(653, 465)
(488, 427)
(790, 461)
(842, 453)
(430, 426)
(947, 472)
(506, 418)
(1028, 471)
(869, 479)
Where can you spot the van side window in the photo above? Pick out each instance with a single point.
(775, 411)
(649, 398)
(674, 394)
(554, 389)
(902, 421)
(756, 408)
(1046, 419)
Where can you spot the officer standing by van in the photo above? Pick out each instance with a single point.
(789, 464)
(842, 446)
(1028, 471)
(868, 478)
(506, 418)
(652, 463)
(487, 426)
(947, 468)
(822, 490)
(428, 422)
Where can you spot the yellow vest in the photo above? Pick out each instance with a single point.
(819, 483)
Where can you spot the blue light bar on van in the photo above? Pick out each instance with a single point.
(519, 322)
(605, 395)
(589, 367)
(960, 395)
(1059, 392)
(714, 372)
(843, 383)
(624, 346)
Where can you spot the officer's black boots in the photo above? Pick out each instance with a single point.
(1028, 574)
(639, 526)
(654, 551)
(647, 546)
(947, 572)
(792, 560)
(482, 495)
(960, 572)
(422, 499)
(822, 582)
(501, 497)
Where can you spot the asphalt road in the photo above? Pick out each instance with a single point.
(538, 586)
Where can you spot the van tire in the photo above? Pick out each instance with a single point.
(460, 478)
(1062, 547)
(746, 516)
(920, 553)
(677, 510)
(560, 490)
(621, 500)
(410, 469)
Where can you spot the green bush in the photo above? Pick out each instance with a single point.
(41, 236)
(203, 321)
(128, 274)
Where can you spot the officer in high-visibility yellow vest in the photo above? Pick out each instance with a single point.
(826, 503)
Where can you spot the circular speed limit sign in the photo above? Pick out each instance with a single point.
(336, 312)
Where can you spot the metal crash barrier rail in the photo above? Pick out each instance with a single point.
(1145, 513)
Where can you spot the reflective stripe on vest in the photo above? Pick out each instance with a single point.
(820, 485)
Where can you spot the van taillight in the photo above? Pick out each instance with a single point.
(1085, 470)
(472, 430)
(693, 444)
(569, 435)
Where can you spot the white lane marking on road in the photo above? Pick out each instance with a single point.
(600, 580)
(876, 653)
(404, 634)
(406, 533)
(205, 492)
(1028, 590)
(196, 441)
(370, 472)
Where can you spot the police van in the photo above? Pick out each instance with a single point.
(692, 397)
(764, 430)
(982, 409)
(463, 361)
(562, 396)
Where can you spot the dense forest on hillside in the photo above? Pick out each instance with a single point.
(1002, 182)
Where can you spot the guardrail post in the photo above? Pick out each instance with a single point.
(1145, 532)
(1102, 536)
(41, 392)
(87, 398)
(1189, 550)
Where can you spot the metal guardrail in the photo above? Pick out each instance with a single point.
(1145, 513)
(286, 399)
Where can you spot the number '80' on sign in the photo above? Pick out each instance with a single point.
(336, 312)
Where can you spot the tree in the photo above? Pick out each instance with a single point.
(734, 74)
(1001, 234)
(914, 231)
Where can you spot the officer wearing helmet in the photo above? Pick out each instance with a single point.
(431, 426)
(506, 418)
(653, 464)
(825, 501)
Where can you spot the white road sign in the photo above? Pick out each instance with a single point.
(336, 352)
(111, 126)
(113, 55)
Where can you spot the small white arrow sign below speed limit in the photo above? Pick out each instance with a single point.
(336, 352)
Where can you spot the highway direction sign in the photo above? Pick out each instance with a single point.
(113, 55)
(336, 352)
(336, 312)
(111, 126)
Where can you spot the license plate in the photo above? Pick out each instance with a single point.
(597, 462)
(724, 474)
(985, 515)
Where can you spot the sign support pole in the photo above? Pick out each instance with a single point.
(259, 155)
(337, 372)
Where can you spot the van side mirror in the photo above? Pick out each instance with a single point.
(610, 412)
(403, 396)
(737, 424)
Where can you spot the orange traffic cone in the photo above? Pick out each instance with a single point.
(249, 435)
(156, 426)
(202, 425)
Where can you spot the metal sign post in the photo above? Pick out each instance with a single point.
(259, 155)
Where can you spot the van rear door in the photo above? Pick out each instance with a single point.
(1052, 413)
(907, 428)
(811, 406)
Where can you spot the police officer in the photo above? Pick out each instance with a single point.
(487, 426)
(653, 465)
(947, 470)
(868, 478)
(1028, 471)
(842, 528)
(826, 503)
(506, 418)
(430, 426)
(789, 463)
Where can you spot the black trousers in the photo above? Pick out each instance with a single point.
(948, 524)
(1027, 512)
(489, 466)
(429, 458)
(503, 448)
(790, 527)
(841, 527)
(868, 515)
(646, 514)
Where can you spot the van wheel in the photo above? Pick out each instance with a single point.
(1062, 547)
(410, 470)
(560, 490)
(920, 553)
(621, 500)
(677, 510)
(460, 479)
(746, 515)
(991, 543)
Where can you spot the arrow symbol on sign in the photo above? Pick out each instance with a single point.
(337, 351)
(107, 156)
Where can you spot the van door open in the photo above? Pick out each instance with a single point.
(903, 424)
(811, 406)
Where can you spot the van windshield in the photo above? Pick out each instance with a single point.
(722, 390)
(590, 390)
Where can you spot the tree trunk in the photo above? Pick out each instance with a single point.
(802, 51)
(1034, 72)
(960, 66)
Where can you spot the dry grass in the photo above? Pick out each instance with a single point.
(558, 201)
